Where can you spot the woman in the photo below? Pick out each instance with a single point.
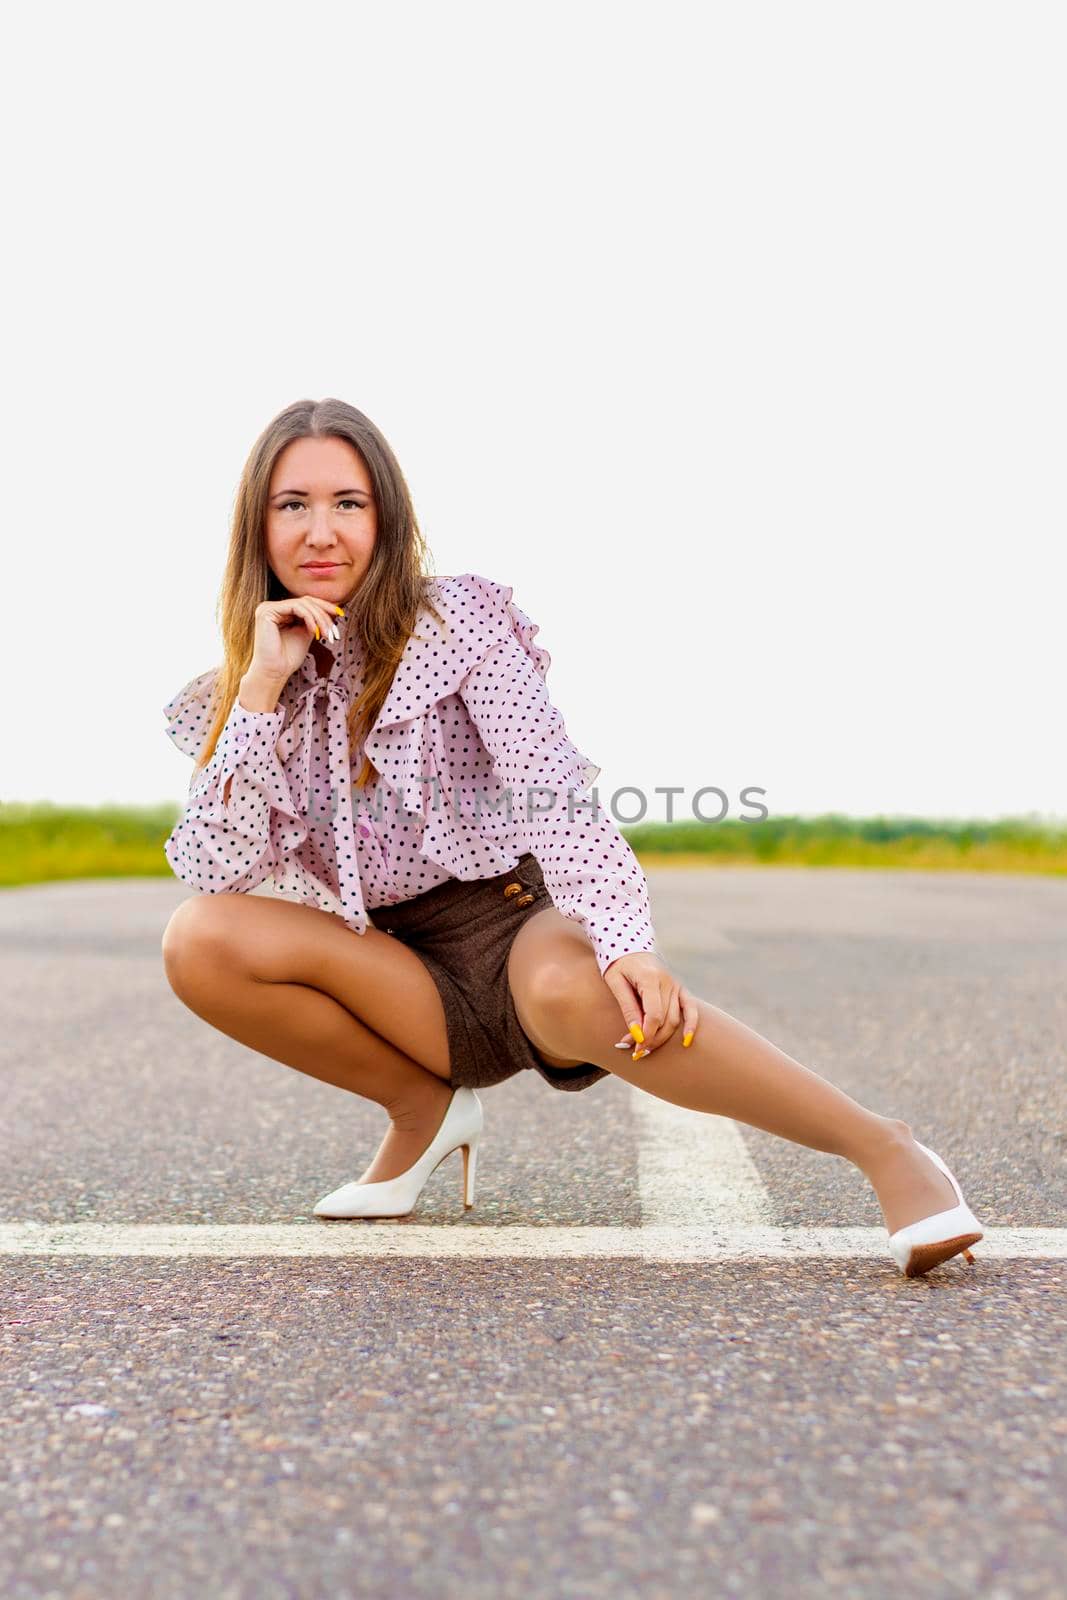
(383, 745)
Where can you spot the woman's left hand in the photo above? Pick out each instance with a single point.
(653, 1003)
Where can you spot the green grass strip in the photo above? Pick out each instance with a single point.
(41, 843)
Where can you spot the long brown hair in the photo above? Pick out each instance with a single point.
(387, 602)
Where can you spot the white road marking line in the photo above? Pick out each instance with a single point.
(383, 1237)
(693, 1168)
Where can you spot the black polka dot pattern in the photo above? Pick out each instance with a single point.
(474, 767)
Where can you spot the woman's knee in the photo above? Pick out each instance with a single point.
(560, 991)
(198, 939)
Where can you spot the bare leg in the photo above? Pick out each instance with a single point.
(729, 1069)
(356, 1010)
(732, 1070)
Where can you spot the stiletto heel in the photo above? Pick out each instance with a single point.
(396, 1197)
(931, 1240)
(470, 1162)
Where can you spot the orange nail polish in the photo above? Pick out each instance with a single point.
(687, 1040)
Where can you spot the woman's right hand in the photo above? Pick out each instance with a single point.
(284, 632)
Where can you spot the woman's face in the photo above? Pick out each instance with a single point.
(320, 508)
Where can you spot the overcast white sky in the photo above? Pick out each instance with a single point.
(731, 336)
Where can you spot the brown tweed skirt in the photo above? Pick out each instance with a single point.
(463, 932)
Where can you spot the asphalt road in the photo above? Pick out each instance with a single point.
(546, 1420)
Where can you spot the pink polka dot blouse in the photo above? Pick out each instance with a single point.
(473, 768)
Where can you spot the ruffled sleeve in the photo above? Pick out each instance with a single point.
(589, 869)
(240, 814)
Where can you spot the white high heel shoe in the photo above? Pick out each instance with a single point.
(931, 1240)
(396, 1197)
